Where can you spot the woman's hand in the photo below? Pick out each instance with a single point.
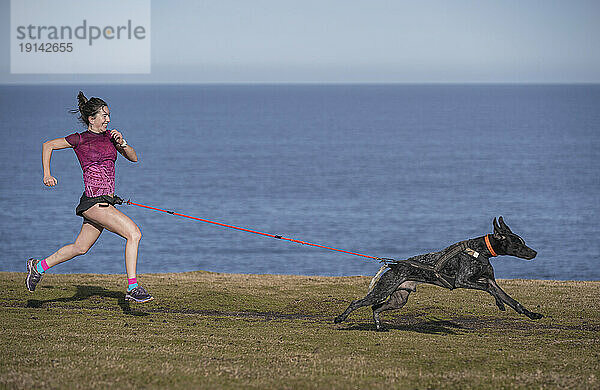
(50, 181)
(117, 136)
(125, 149)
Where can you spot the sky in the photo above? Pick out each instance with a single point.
(356, 41)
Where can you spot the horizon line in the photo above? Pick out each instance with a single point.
(300, 83)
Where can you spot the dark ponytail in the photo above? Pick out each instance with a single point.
(87, 108)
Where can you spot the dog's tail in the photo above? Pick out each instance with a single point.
(376, 277)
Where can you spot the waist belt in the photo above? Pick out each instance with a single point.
(111, 200)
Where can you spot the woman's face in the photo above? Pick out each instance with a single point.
(99, 122)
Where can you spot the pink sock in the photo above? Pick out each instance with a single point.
(132, 284)
(44, 265)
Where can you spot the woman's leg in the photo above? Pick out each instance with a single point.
(117, 222)
(88, 235)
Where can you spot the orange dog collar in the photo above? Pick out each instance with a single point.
(489, 246)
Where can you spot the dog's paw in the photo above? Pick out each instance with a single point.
(534, 316)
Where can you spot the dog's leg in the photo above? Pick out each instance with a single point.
(501, 295)
(386, 285)
(396, 301)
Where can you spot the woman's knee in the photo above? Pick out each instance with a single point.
(134, 234)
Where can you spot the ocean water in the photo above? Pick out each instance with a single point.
(385, 170)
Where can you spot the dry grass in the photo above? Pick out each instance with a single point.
(207, 330)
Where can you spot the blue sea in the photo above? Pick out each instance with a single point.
(384, 170)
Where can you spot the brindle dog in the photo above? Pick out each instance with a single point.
(462, 265)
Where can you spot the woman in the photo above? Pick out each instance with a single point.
(96, 150)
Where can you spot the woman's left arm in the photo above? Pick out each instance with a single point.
(123, 147)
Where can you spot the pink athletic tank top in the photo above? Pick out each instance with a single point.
(97, 155)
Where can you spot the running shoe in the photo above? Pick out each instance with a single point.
(138, 294)
(33, 275)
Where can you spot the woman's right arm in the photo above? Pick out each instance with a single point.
(47, 148)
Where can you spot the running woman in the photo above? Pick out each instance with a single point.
(96, 150)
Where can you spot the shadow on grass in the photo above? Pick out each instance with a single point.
(433, 326)
(86, 292)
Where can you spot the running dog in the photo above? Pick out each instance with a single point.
(462, 265)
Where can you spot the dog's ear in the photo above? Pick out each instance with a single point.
(496, 227)
(497, 230)
(504, 226)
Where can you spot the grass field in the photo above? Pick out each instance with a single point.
(207, 330)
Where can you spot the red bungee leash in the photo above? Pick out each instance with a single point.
(129, 202)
